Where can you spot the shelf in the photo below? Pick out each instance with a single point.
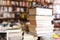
(56, 23)
(5, 5)
(12, 0)
(8, 18)
(20, 0)
(32, 7)
(56, 26)
(57, 19)
(12, 6)
(17, 0)
(13, 12)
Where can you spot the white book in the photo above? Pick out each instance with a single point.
(44, 29)
(42, 11)
(43, 21)
(44, 18)
(44, 32)
(49, 34)
(45, 26)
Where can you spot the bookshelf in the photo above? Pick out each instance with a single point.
(13, 11)
(15, 7)
(22, 6)
(56, 13)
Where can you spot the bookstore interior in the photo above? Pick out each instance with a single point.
(29, 19)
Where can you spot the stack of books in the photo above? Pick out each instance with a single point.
(43, 22)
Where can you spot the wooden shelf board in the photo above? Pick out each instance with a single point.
(57, 19)
(12, 6)
(8, 18)
(14, 12)
(56, 26)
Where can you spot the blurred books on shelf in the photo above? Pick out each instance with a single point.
(56, 1)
